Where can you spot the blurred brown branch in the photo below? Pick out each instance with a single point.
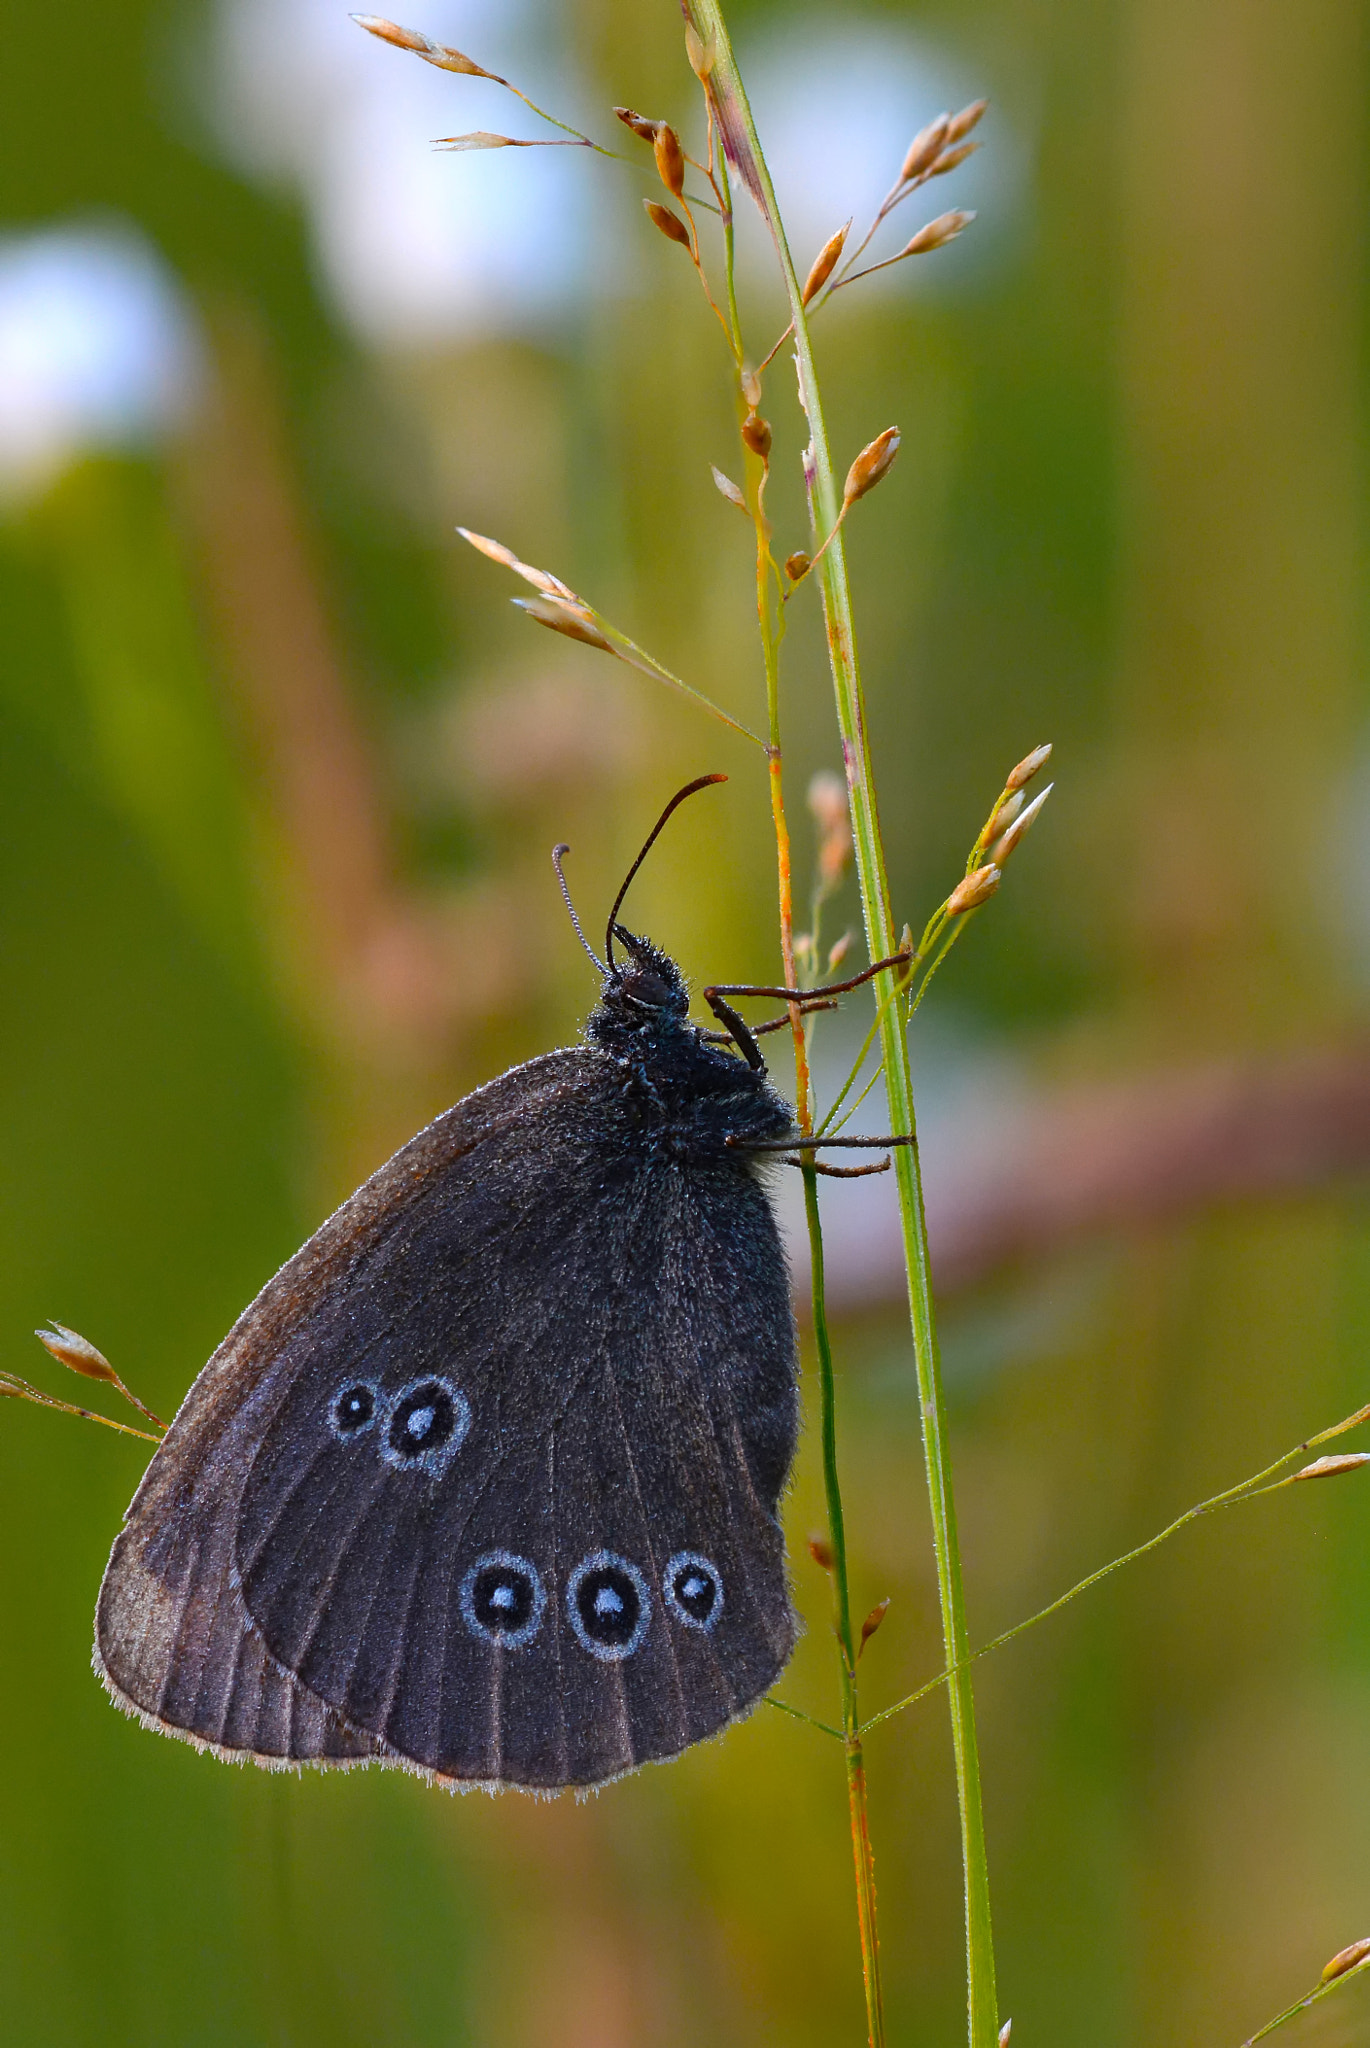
(367, 955)
(1098, 1158)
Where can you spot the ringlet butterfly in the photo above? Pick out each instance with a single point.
(485, 1482)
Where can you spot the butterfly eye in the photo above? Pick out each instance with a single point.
(608, 1605)
(502, 1599)
(640, 985)
(693, 1589)
(352, 1409)
(426, 1424)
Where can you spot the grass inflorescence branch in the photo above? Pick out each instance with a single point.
(731, 112)
(1256, 1487)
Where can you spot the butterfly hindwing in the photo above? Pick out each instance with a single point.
(500, 1453)
(174, 1643)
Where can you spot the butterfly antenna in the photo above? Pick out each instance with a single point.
(557, 853)
(700, 782)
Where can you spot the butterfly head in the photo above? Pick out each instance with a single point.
(643, 993)
(645, 988)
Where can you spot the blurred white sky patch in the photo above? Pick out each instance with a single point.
(97, 348)
(838, 98)
(417, 246)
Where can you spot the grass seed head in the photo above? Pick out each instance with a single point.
(1005, 2034)
(926, 147)
(874, 462)
(938, 233)
(756, 432)
(820, 1550)
(872, 1623)
(391, 32)
(562, 618)
(1345, 1959)
(962, 123)
(702, 55)
(639, 123)
(824, 263)
(1005, 845)
(441, 54)
(838, 953)
(80, 1356)
(78, 1353)
(797, 565)
(670, 224)
(670, 159)
(1003, 815)
(1332, 1468)
(728, 488)
(1021, 776)
(480, 138)
(977, 888)
(496, 551)
(951, 158)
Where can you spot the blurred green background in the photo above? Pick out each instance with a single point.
(280, 774)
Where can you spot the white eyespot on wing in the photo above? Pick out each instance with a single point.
(608, 1605)
(352, 1409)
(424, 1425)
(692, 1587)
(502, 1599)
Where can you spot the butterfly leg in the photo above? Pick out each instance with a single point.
(805, 995)
(812, 1144)
(736, 1030)
(771, 1024)
(842, 1172)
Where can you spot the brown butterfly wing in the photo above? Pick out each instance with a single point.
(628, 1361)
(174, 1643)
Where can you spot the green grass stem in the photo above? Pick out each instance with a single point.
(744, 146)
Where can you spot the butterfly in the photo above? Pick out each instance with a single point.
(485, 1484)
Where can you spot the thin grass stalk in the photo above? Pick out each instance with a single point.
(1256, 1487)
(1321, 1990)
(851, 1727)
(825, 498)
(862, 1852)
(770, 625)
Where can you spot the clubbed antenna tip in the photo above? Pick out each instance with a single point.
(558, 855)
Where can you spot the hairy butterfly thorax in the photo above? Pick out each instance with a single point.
(691, 1095)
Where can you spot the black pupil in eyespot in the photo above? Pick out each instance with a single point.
(502, 1599)
(354, 1408)
(695, 1591)
(422, 1421)
(608, 1604)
